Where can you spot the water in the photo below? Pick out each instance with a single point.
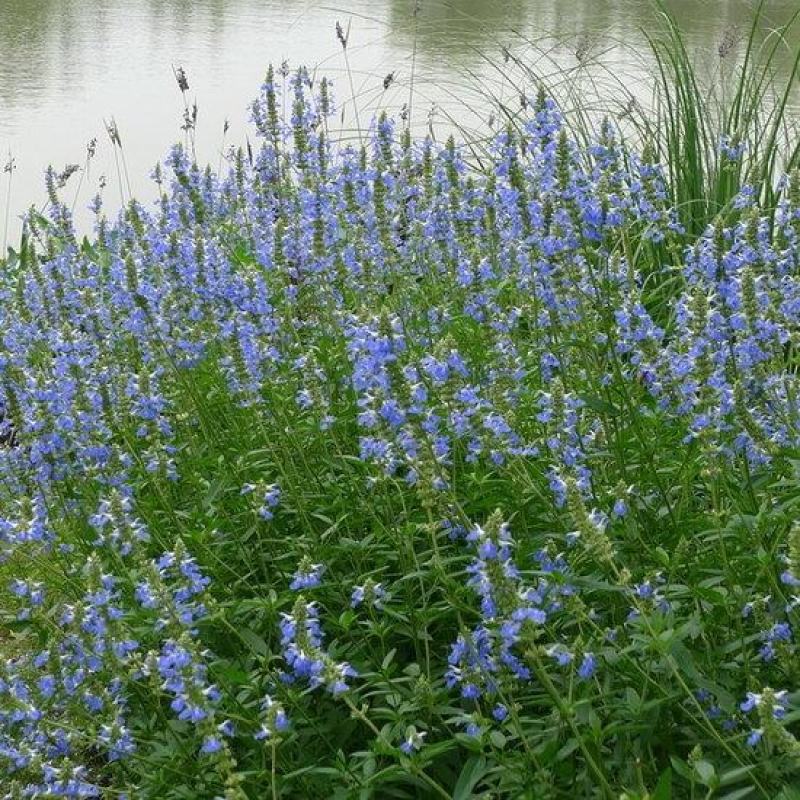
(67, 67)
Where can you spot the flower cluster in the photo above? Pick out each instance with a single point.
(512, 612)
(771, 709)
(302, 639)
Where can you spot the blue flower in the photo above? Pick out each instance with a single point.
(211, 744)
(302, 640)
(588, 666)
(754, 737)
(560, 655)
(413, 741)
(308, 576)
(500, 712)
(473, 729)
(274, 719)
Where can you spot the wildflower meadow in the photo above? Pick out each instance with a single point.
(405, 469)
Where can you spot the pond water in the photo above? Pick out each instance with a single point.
(68, 67)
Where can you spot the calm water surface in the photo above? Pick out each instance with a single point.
(68, 66)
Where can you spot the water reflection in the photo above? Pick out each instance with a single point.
(68, 65)
(24, 33)
(456, 27)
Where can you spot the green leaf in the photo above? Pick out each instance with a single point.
(389, 658)
(600, 405)
(738, 794)
(736, 774)
(471, 773)
(663, 790)
(255, 642)
(347, 618)
(681, 767)
(570, 747)
(706, 771)
(497, 739)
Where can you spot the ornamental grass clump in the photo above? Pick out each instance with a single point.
(372, 471)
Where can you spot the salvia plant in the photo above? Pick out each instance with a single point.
(366, 472)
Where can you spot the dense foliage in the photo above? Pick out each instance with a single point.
(367, 472)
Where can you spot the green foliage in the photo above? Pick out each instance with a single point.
(611, 535)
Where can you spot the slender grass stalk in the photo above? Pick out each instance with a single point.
(8, 168)
(119, 160)
(344, 39)
(415, 14)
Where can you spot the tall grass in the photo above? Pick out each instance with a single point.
(692, 118)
